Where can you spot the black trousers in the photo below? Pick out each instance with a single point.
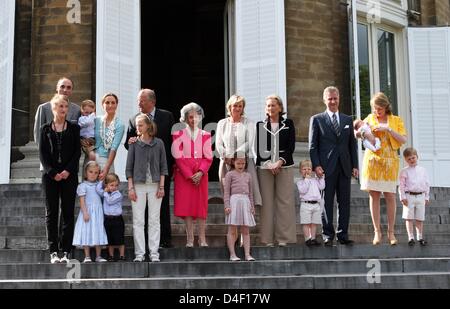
(166, 228)
(340, 185)
(60, 194)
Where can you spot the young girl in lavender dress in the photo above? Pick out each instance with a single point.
(89, 229)
(239, 206)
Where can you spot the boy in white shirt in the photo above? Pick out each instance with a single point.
(415, 194)
(309, 188)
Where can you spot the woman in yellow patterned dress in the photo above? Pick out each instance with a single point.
(381, 168)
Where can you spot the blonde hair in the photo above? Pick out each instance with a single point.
(330, 89)
(152, 129)
(110, 178)
(381, 100)
(58, 98)
(235, 99)
(88, 103)
(410, 152)
(278, 100)
(305, 163)
(88, 165)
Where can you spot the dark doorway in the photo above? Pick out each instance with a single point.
(183, 55)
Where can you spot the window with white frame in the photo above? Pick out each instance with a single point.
(377, 64)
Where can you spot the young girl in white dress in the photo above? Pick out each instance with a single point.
(89, 229)
(239, 206)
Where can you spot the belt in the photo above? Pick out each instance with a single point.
(113, 217)
(414, 193)
(310, 202)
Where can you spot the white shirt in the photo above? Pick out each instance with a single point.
(331, 116)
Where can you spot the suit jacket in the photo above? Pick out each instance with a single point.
(164, 121)
(275, 146)
(44, 115)
(71, 150)
(327, 149)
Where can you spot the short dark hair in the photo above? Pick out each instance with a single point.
(409, 152)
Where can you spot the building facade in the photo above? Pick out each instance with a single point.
(205, 50)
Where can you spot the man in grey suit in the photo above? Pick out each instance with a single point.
(44, 112)
(333, 151)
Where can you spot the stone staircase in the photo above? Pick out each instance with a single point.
(24, 261)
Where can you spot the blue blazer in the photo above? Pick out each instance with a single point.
(327, 149)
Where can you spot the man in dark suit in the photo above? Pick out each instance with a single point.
(333, 151)
(164, 121)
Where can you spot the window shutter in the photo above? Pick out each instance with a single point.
(430, 100)
(260, 53)
(7, 16)
(119, 60)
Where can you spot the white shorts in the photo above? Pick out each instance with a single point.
(416, 207)
(310, 213)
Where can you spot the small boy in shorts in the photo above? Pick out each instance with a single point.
(415, 195)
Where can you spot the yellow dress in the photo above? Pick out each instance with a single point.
(380, 169)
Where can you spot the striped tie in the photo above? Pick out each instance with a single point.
(336, 126)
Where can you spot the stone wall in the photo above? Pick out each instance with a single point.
(61, 49)
(317, 56)
(435, 12)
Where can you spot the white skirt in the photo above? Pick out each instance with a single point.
(241, 211)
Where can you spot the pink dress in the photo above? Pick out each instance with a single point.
(192, 154)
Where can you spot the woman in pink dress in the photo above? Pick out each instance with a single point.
(191, 149)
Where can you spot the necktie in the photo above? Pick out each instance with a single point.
(336, 125)
(150, 116)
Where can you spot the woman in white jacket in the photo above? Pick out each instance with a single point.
(235, 136)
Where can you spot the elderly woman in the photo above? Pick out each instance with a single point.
(108, 135)
(380, 169)
(59, 151)
(236, 135)
(275, 145)
(191, 149)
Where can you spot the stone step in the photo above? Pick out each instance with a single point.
(215, 218)
(210, 269)
(214, 240)
(292, 252)
(222, 229)
(219, 219)
(420, 280)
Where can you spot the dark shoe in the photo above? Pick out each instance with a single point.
(315, 242)
(165, 244)
(411, 242)
(111, 259)
(346, 242)
(122, 259)
(308, 243)
(328, 242)
(423, 242)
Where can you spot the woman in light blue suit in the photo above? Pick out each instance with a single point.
(109, 131)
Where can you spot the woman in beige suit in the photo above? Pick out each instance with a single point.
(275, 145)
